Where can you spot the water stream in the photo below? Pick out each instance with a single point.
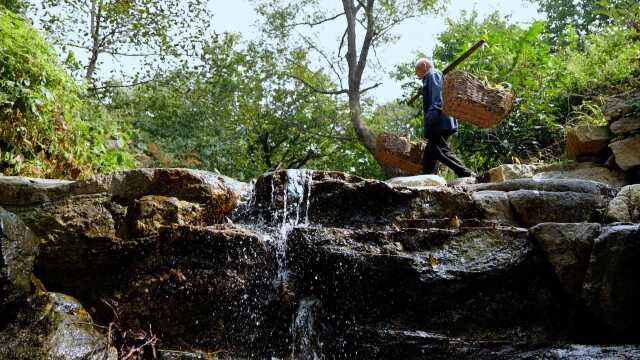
(288, 210)
(306, 343)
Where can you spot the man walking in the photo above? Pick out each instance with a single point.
(437, 126)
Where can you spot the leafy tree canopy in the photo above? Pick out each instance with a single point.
(43, 131)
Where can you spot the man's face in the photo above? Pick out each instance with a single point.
(421, 70)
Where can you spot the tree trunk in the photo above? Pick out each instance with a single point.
(96, 14)
(356, 66)
(364, 133)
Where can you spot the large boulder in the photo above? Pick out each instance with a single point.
(579, 352)
(93, 230)
(54, 326)
(625, 207)
(549, 185)
(82, 251)
(568, 248)
(532, 207)
(627, 152)
(150, 212)
(588, 171)
(18, 249)
(586, 141)
(618, 106)
(22, 191)
(612, 287)
(581, 171)
(218, 194)
(342, 200)
(475, 282)
(626, 125)
(208, 288)
(494, 205)
(392, 343)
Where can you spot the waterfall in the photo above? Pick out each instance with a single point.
(305, 340)
(288, 207)
(293, 211)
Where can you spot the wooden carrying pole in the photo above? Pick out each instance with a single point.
(452, 66)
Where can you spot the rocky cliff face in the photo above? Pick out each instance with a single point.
(183, 264)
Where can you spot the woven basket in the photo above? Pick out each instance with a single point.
(398, 152)
(471, 100)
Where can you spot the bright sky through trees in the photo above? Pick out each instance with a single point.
(416, 35)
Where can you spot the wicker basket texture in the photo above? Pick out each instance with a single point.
(471, 100)
(399, 152)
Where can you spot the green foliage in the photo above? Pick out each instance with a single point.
(555, 86)
(609, 59)
(42, 132)
(238, 112)
(582, 16)
(150, 31)
(17, 6)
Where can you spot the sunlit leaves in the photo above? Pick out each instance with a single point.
(45, 127)
(151, 31)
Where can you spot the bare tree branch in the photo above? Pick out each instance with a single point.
(125, 85)
(368, 38)
(332, 64)
(315, 89)
(370, 88)
(344, 35)
(316, 23)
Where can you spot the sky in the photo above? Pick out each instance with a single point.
(416, 35)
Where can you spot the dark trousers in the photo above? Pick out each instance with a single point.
(438, 150)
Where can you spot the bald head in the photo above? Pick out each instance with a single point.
(422, 67)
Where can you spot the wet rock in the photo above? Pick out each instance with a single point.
(626, 125)
(81, 250)
(16, 190)
(625, 207)
(202, 187)
(627, 152)
(150, 212)
(418, 182)
(494, 205)
(587, 352)
(466, 282)
(208, 288)
(18, 249)
(191, 355)
(532, 207)
(549, 185)
(611, 287)
(568, 248)
(339, 199)
(384, 343)
(586, 141)
(54, 326)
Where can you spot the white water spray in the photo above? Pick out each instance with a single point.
(305, 340)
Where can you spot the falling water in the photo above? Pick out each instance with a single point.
(294, 212)
(291, 212)
(305, 340)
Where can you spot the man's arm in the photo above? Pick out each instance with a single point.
(432, 100)
(434, 82)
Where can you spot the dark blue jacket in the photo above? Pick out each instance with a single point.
(434, 119)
